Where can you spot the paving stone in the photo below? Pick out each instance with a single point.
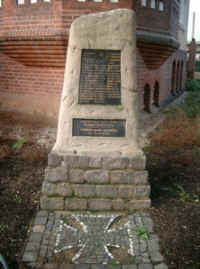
(115, 163)
(118, 204)
(75, 204)
(84, 191)
(153, 245)
(113, 266)
(138, 204)
(76, 176)
(148, 223)
(98, 266)
(54, 159)
(145, 266)
(40, 220)
(32, 246)
(106, 191)
(82, 266)
(140, 178)
(142, 191)
(42, 213)
(96, 176)
(64, 189)
(156, 257)
(126, 191)
(30, 257)
(53, 203)
(130, 266)
(80, 162)
(38, 228)
(138, 162)
(35, 237)
(68, 266)
(95, 162)
(58, 174)
(119, 177)
(100, 204)
(161, 266)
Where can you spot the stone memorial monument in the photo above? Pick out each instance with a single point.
(95, 181)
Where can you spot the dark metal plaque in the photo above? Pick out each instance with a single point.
(104, 128)
(100, 77)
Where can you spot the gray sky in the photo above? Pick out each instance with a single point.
(194, 7)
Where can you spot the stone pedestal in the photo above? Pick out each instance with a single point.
(82, 183)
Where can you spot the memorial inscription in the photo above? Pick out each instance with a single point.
(100, 77)
(104, 128)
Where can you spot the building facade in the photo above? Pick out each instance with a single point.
(33, 42)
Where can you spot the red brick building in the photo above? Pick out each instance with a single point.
(33, 42)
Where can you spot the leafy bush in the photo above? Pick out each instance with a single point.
(192, 105)
(192, 85)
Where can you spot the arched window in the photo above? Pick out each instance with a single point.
(143, 3)
(181, 76)
(156, 94)
(147, 98)
(177, 76)
(173, 81)
(20, 2)
(153, 3)
(161, 5)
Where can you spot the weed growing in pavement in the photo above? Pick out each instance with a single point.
(142, 233)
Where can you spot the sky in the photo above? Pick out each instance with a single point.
(194, 7)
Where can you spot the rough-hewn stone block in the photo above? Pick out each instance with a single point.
(100, 204)
(54, 159)
(76, 176)
(140, 178)
(119, 177)
(115, 163)
(96, 176)
(106, 191)
(126, 192)
(81, 162)
(142, 191)
(138, 162)
(49, 188)
(84, 190)
(64, 189)
(58, 174)
(95, 162)
(138, 204)
(75, 204)
(53, 203)
(118, 204)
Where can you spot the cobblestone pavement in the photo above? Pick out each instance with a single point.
(66, 240)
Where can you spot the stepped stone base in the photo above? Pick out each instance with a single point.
(82, 183)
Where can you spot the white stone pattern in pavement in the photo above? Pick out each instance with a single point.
(95, 237)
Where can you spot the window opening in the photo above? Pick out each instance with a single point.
(144, 3)
(20, 2)
(156, 94)
(147, 98)
(161, 5)
(173, 86)
(153, 3)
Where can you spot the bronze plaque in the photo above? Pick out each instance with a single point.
(104, 128)
(100, 77)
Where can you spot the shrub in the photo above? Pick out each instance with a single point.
(192, 85)
(192, 105)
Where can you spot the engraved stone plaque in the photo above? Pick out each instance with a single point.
(100, 77)
(104, 128)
